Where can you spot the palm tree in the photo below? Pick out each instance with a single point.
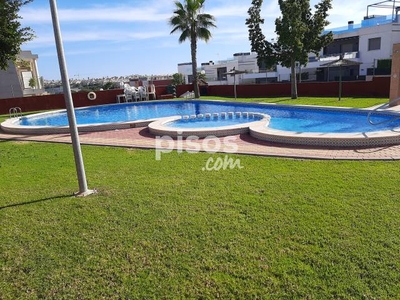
(193, 24)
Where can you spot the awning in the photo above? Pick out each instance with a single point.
(341, 62)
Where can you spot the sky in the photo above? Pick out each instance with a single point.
(120, 38)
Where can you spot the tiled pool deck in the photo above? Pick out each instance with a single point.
(141, 138)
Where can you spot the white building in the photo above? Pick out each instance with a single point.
(369, 43)
(215, 72)
(21, 78)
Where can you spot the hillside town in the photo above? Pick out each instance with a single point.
(96, 84)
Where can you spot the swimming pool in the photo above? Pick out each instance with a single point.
(286, 121)
(215, 124)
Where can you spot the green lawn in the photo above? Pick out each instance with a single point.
(278, 228)
(275, 229)
(323, 101)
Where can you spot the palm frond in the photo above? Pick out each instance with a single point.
(204, 34)
(185, 35)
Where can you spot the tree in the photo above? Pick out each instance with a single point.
(32, 82)
(298, 30)
(109, 85)
(178, 79)
(12, 35)
(201, 76)
(193, 25)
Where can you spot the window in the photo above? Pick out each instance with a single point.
(374, 44)
(346, 48)
(220, 73)
(26, 77)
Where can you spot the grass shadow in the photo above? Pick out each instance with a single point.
(35, 201)
(279, 101)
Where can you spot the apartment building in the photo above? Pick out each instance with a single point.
(369, 44)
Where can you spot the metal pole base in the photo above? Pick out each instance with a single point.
(86, 193)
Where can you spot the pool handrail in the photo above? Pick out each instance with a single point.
(380, 106)
(15, 112)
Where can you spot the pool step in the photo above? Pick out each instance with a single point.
(221, 115)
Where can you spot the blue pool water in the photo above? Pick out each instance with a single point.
(288, 118)
(213, 121)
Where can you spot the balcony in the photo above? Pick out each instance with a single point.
(336, 56)
(374, 21)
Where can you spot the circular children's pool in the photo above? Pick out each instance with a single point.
(203, 125)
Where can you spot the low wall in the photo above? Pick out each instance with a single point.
(183, 88)
(49, 102)
(379, 87)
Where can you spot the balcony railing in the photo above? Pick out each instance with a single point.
(380, 20)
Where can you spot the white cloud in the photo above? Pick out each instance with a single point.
(160, 11)
(228, 11)
(115, 14)
(94, 24)
(46, 39)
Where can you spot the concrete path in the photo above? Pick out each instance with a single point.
(141, 138)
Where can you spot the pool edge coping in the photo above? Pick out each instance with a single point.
(159, 127)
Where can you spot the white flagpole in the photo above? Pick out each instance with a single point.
(80, 169)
